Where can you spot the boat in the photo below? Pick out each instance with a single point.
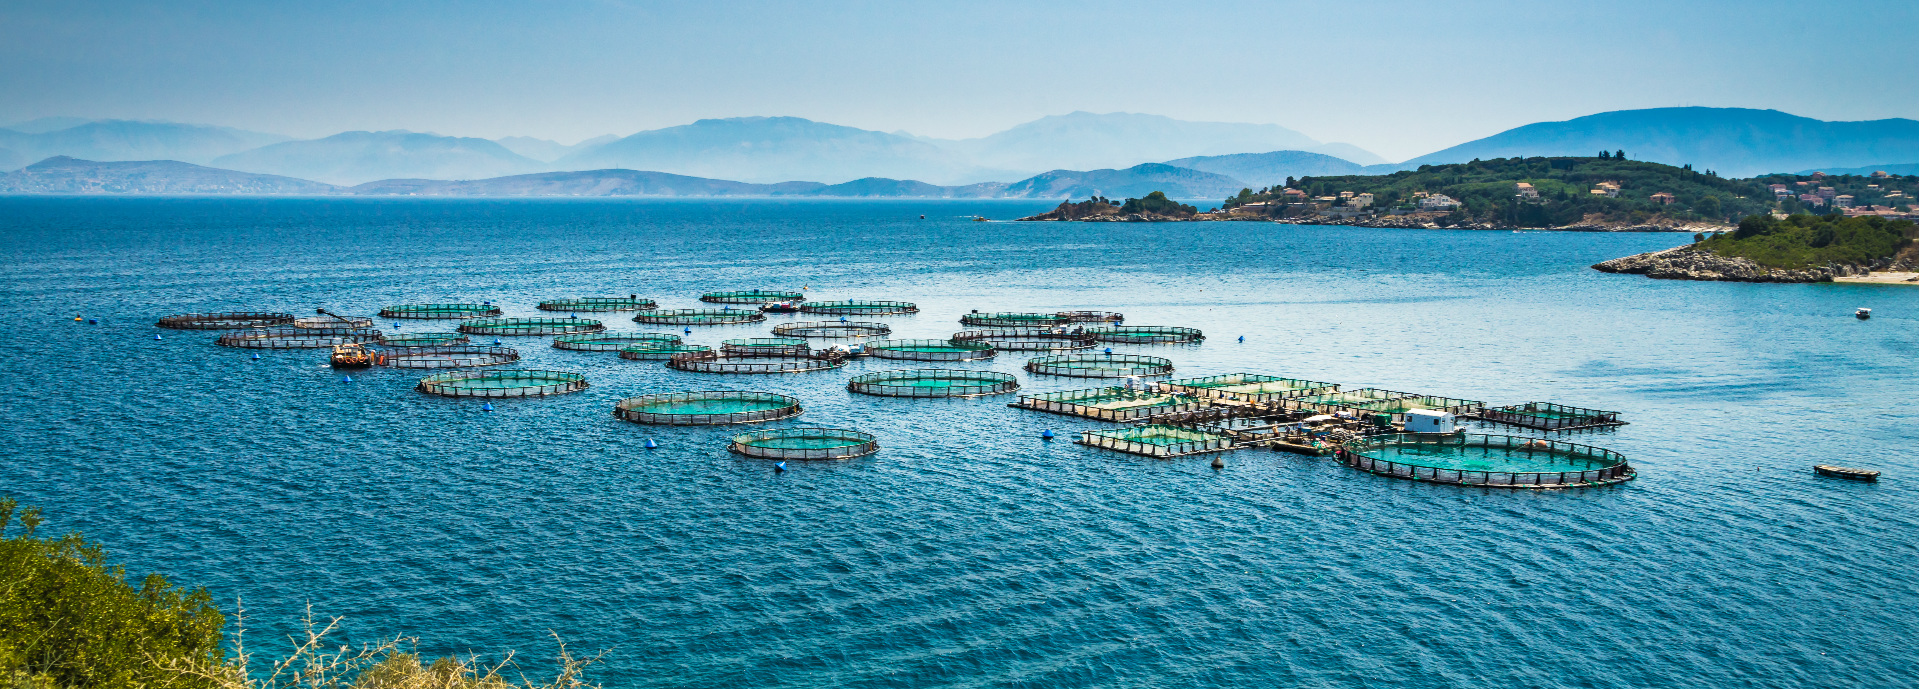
(1846, 472)
(351, 356)
(1862, 314)
(781, 307)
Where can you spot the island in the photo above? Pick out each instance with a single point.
(1794, 248)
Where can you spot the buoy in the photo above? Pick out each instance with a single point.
(1046, 434)
(256, 356)
(1242, 338)
(487, 407)
(347, 379)
(842, 319)
(396, 326)
(93, 321)
(496, 342)
(689, 331)
(1109, 350)
(156, 337)
(922, 216)
(1219, 462)
(77, 319)
(573, 315)
(779, 467)
(650, 445)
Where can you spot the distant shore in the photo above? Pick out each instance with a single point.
(1885, 278)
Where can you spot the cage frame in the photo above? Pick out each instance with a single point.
(994, 383)
(1451, 405)
(750, 364)
(1092, 316)
(859, 307)
(225, 320)
(288, 337)
(413, 357)
(1147, 334)
(766, 346)
(751, 296)
(700, 317)
(1121, 440)
(899, 350)
(598, 304)
(667, 352)
(428, 312)
(531, 326)
(1315, 403)
(1198, 387)
(1142, 366)
(834, 330)
(442, 383)
(624, 410)
(440, 339)
(1028, 339)
(1068, 403)
(330, 321)
(1351, 454)
(1010, 319)
(599, 342)
(1582, 417)
(867, 443)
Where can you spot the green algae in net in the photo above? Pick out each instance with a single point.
(929, 350)
(805, 443)
(709, 407)
(933, 383)
(1494, 461)
(502, 383)
(1100, 365)
(612, 342)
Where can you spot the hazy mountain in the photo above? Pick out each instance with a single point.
(1268, 169)
(1084, 140)
(130, 140)
(1139, 180)
(1349, 152)
(356, 157)
(546, 150)
(584, 183)
(11, 160)
(1890, 169)
(1735, 142)
(43, 125)
(768, 149)
(64, 175)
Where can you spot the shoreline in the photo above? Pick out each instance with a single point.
(1882, 278)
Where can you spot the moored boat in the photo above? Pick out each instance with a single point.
(1862, 314)
(1846, 472)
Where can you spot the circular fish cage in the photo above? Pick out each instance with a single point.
(1100, 365)
(449, 356)
(766, 346)
(1092, 316)
(1146, 334)
(225, 320)
(1494, 461)
(423, 340)
(700, 317)
(431, 311)
(933, 382)
(1028, 339)
(860, 308)
(707, 408)
(531, 326)
(332, 322)
(661, 352)
(832, 329)
(805, 443)
(714, 362)
(508, 383)
(1013, 320)
(751, 296)
(609, 342)
(296, 338)
(930, 350)
(593, 304)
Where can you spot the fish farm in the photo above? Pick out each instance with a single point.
(448, 356)
(1110, 404)
(766, 346)
(933, 382)
(496, 383)
(1547, 416)
(598, 304)
(1377, 402)
(714, 362)
(1146, 334)
(1027, 339)
(1013, 320)
(282, 337)
(228, 320)
(423, 339)
(523, 327)
(707, 408)
(929, 350)
(859, 308)
(1495, 461)
(1248, 387)
(752, 296)
(438, 311)
(700, 317)
(1100, 365)
(330, 321)
(833, 329)
(1092, 316)
(661, 351)
(611, 342)
(1156, 440)
(805, 443)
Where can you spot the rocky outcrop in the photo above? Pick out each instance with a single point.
(1096, 211)
(1687, 263)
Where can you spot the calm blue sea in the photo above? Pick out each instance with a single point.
(968, 552)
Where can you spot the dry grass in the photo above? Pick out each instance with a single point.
(315, 663)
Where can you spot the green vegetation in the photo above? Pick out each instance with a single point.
(1802, 241)
(68, 619)
(1156, 202)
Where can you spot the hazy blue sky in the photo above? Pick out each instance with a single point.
(1400, 78)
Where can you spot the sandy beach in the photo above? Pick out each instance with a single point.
(1884, 278)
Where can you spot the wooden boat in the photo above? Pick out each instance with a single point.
(1846, 472)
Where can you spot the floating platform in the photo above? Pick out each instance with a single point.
(611, 342)
(933, 382)
(805, 443)
(1028, 339)
(1846, 472)
(707, 408)
(445, 356)
(1494, 461)
(1111, 404)
(660, 351)
(508, 383)
(1100, 365)
(1248, 387)
(439, 311)
(598, 304)
(1014, 320)
(1092, 316)
(855, 307)
(1156, 440)
(766, 346)
(225, 320)
(285, 337)
(527, 327)
(1547, 416)
(1395, 409)
(1147, 334)
(330, 321)
(929, 350)
(714, 362)
(752, 296)
(833, 329)
(423, 339)
(1342, 400)
(700, 317)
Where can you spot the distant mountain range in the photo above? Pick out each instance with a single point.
(1272, 168)
(64, 175)
(124, 140)
(354, 157)
(771, 149)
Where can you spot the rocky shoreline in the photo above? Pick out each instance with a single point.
(1687, 263)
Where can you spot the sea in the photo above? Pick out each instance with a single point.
(969, 551)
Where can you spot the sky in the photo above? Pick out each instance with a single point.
(1397, 78)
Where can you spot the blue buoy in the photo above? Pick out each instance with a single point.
(1242, 338)
(496, 342)
(650, 445)
(779, 467)
(573, 315)
(1109, 350)
(256, 356)
(347, 379)
(156, 337)
(396, 326)
(93, 321)
(689, 331)
(487, 407)
(1046, 434)
(842, 319)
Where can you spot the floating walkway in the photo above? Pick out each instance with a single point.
(707, 408)
(805, 443)
(1092, 316)
(766, 346)
(1014, 320)
(1493, 461)
(933, 383)
(1248, 387)
(439, 311)
(1111, 404)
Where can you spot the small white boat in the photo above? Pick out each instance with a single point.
(1862, 314)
